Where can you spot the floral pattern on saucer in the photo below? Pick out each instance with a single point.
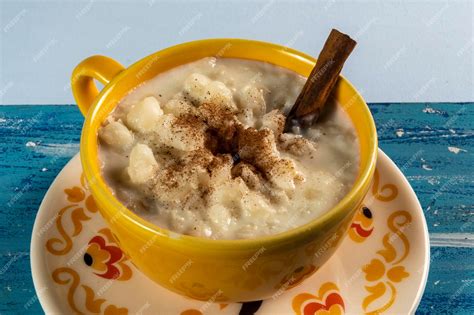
(381, 267)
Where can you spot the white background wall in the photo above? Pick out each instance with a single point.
(407, 50)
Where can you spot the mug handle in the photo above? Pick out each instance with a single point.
(97, 67)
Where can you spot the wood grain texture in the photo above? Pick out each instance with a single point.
(433, 144)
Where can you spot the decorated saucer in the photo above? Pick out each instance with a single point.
(381, 266)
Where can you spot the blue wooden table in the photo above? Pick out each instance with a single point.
(433, 144)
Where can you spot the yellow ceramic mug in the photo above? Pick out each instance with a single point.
(216, 270)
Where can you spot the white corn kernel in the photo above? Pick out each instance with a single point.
(116, 135)
(144, 116)
(274, 120)
(252, 97)
(142, 164)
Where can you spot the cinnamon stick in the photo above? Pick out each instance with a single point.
(321, 81)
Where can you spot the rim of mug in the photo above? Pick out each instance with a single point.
(101, 192)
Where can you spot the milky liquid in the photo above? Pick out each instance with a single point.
(234, 210)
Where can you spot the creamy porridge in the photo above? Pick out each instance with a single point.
(200, 150)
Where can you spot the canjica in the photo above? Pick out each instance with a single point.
(200, 150)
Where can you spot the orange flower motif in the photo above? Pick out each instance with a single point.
(75, 194)
(386, 273)
(78, 214)
(93, 304)
(375, 270)
(114, 310)
(397, 274)
(328, 301)
(362, 226)
(106, 258)
(96, 257)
